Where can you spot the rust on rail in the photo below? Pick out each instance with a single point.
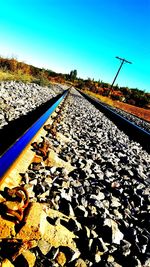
(15, 202)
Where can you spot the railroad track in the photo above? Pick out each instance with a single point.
(14, 152)
(76, 193)
(131, 129)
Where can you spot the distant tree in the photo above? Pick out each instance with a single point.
(35, 71)
(73, 75)
(99, 82)
(80, 84)
(116, 87)
(139, 97)
(105, 85)
(42, 79)
(88, 83)
(125, 90)
(25, 68)
(13, 64)
(105, 92)
(52, 73)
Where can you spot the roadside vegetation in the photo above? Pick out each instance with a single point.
(143, 113)
(12, 69)
(17, 76)
(132, 96)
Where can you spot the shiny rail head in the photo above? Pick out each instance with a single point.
(10, 156)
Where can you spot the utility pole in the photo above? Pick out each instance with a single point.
(122, 62)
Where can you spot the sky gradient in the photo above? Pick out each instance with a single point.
(86, 35)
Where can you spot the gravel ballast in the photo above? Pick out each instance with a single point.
(134, 119)
(106, 194)
(17, 99)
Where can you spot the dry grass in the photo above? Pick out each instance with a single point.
(104, 99)
(5, 76)
(16, 76)
(137, 111)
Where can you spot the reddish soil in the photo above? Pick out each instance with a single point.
(139, 112)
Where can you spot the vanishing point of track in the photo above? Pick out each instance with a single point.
(96, 204)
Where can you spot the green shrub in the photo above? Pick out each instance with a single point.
(116, 97)
(5, 76)
(24, 77)
(42, 81)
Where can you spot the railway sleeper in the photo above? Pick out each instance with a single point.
(42, 228)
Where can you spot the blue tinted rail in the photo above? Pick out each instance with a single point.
(15, 150)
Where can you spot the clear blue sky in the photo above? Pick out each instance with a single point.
(86, 35)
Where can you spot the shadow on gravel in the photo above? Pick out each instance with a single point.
(11, 132)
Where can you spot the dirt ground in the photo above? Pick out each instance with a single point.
(139, 112)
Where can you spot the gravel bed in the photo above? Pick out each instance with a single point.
(141, 123)
(17, 99)
(59, 88)
(137, 121)
(107, 195)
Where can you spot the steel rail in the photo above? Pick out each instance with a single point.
(10, 156)
(132, 130)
